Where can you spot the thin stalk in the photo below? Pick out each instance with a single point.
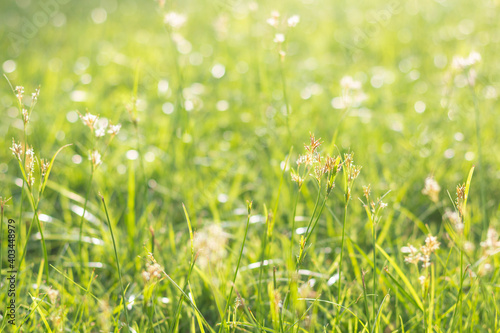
(341, 258)
(374, 237)
(117, 261)
(261, 268)
(80, 249)
(1, 235)
(480, 159)
(223, 324)
(285, 97)
(366, 303)
(293, 223)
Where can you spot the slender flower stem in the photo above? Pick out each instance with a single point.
(117, 261)
(223, 324)
(341, 259)
(374, 237)
(480, 159)
(80, 243)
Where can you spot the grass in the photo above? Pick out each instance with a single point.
(214, 114)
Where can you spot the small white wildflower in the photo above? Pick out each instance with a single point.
(44, 166)
(19, 93)
(422, 279)
(34, 96)
(293, 21)
(17, 149)
(463, 63)
(175, 20)
(114, 129)
(348, 83)
(274, 19)
(95, 157)
(100, 131)
(89, 120)
(431, 189)
(26, 116)
(52, 293)
(279, 38)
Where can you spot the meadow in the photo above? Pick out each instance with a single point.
(249, 166)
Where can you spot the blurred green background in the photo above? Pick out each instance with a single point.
(212, 128)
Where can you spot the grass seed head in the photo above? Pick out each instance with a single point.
(431, 189)
(17, 149)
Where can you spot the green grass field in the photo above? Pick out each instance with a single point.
(243, 166)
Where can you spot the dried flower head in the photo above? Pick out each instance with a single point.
(366, 192)
(53, 294)
(431, 189)
(297, 179)
(44, 166)
(459, 202)
(424, 254)
(152, 273)
(29, 167)
(413, 254)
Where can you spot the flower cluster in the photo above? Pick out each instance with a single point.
(431, 189)
(210, 244)
(414, 256)
(99, 129)
(281, 25)
(460, 200)
(152, 273)
(351, 171)
(316, 165)
(463, 63)
(19, 93)
(175, 20)
(466, 64)
(454, 218)
(352, 94)
(491, 245)
(373, 208)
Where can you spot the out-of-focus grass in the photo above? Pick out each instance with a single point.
(213, 143)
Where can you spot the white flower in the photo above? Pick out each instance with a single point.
(279, 38)
(114, 129)
(175, 20)
(100, 131)
(95, 157)
(89, 120)
(274, 19)
(293, 20)
(17, 149)
(422, 279)
(462, 63)
(348, 83)
(431, 189)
